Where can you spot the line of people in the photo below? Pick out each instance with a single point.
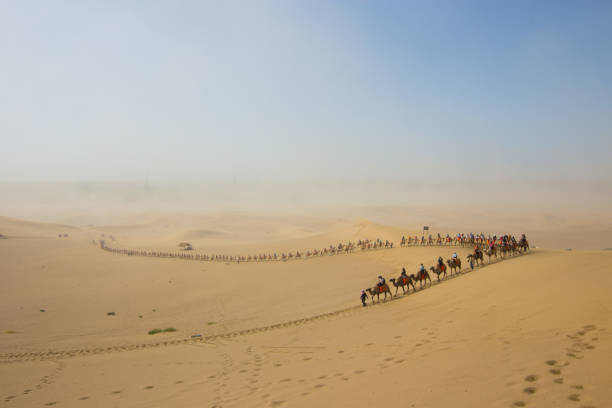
(461, 239)
(507, 243)
(340, 248)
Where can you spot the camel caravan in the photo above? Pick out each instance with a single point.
(186, 252)
(460, 239)
(503, 247)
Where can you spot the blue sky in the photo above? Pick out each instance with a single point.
(296, 90)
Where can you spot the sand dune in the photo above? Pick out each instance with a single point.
(532, 330)
(14, 228)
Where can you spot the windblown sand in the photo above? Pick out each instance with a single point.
(533, 330)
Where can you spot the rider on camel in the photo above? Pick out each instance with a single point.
(441, 263)
(421, 270)
(381, 281)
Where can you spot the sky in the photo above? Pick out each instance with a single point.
(306, 90)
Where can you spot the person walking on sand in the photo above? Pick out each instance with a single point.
(363, 297)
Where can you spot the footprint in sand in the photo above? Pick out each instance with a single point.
(529, 390)
(149, 387)
(531, 378)
(319, 385)
(574, 397)
(179, 382)
(519, 403)
(83, 398)
(389, 359)
(50, 403)
(558, 380)
(551, 362)
(555, 371)
(276, 403)
(359, 371)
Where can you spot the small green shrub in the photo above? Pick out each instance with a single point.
(155, 331)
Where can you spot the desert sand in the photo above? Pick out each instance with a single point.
(531, 330)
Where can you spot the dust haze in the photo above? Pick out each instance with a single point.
(559, 213)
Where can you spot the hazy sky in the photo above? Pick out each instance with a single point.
(104, 90)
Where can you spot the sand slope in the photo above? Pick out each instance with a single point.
(540, 322)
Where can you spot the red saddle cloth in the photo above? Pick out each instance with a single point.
(405, 281)
(382, 289)
(443, 267)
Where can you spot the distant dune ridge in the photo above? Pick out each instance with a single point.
(294, 333)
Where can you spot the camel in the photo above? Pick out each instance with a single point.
(454, 264)
(475, 257)
(523, 245)
(420, 277)
(492, 251)
(438, 270)
(401, 282)
(505, 249)
(377, 290)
